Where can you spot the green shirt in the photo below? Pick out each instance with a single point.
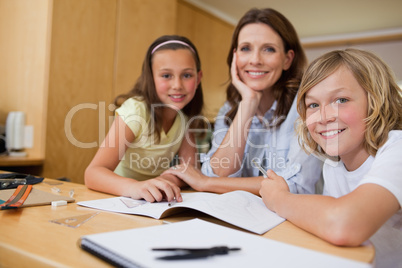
(144, 158)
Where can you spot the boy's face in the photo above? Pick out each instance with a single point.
(336, 110)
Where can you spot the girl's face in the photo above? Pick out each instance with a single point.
(336, 110)
(261, 56)
(175, 75)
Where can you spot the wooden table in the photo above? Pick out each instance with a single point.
(9, 161)
(29, 239)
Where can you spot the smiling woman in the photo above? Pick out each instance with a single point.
(256, 123)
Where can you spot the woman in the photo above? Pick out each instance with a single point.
(256, 124)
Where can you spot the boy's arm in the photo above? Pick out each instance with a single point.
(345, 221)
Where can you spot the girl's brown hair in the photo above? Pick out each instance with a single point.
(144, 89)
(286, 87)
(375, 77)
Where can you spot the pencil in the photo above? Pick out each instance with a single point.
(260, 168)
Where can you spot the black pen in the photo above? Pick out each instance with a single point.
(195, 253)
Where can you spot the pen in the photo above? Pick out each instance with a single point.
(171, 203)
(260, 168)
(195, 253)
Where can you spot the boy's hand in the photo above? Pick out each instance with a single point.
(272, 188)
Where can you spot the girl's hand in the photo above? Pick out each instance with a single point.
(189, 174)
(245, 91)
(272, 188)
(156, 190)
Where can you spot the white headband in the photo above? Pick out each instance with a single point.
(170, 42)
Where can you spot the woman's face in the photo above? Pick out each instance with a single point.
(261, 56)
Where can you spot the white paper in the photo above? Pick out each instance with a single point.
(239, 208)
(135, 246)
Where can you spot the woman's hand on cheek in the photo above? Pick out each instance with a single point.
(245, 91)
(272, 189)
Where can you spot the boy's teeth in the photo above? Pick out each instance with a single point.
(330, 133)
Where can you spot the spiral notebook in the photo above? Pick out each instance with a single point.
(133, 248)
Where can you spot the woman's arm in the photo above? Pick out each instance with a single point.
(187, 156)
(188, 151)
(100, 176)
(231, 150)
(346, 221)
(220, 185)
(233, 145)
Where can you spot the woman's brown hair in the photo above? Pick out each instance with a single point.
(286, 87)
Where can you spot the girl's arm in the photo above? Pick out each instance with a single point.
(220, 185)
(345, 221)
(234, 143)
(99, 174)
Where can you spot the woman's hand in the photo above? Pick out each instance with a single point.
(190, 175)
(245, 91)
(172, 178)
(272, 189)
(156, 190)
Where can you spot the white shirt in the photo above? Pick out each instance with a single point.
(385, 169)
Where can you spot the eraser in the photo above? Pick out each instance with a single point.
(59, 203)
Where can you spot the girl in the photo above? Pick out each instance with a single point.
(256, 124)
(150, 126)
(351, 107)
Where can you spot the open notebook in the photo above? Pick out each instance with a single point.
(240, 208)
(133, 248)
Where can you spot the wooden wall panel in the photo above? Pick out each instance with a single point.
(140, 22)
(81, 82)
(212, 38)
(97, 51)
(24, 40)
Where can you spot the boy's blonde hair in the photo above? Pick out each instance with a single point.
(375, 77)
